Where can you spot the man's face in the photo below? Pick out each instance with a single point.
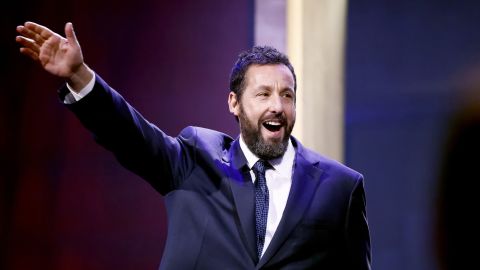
(266, 109)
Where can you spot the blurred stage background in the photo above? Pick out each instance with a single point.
(66, 204)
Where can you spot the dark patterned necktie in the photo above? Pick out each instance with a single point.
(261, 203)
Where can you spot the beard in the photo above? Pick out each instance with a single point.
(252, 135)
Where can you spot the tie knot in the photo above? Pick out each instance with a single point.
(261, 166)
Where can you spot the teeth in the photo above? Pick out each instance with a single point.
(272, 123)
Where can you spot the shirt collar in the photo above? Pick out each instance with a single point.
(283, 164)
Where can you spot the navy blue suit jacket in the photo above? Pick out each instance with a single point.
(209, 195)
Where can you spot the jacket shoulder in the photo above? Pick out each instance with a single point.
(328, 165)
(206, 140)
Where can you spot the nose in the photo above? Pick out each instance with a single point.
(276, 104)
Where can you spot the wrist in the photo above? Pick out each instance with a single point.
(80, 78)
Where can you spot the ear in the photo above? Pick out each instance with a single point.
(233, 103)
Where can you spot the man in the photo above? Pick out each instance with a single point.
(262, 201)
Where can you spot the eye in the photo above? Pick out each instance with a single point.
(263, 94)
(288, 94)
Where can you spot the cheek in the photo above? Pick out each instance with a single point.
(291, 112)
(252, 111)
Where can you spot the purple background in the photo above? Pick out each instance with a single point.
(65, 203)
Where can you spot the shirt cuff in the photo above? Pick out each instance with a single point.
(74, 96)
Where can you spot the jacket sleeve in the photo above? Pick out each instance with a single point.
(357, 231)
(137, 144)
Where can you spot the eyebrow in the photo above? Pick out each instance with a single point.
(267, 87)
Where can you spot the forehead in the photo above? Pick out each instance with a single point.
(276, 74)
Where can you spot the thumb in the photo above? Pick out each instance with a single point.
(70, 34)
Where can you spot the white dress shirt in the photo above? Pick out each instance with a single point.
(279, 181)
(73, 96)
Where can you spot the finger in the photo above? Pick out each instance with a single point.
(30, 34)
(70, 33)
(38, 29)
(28, 43)
(30, 53)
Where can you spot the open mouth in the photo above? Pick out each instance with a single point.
(272, 125)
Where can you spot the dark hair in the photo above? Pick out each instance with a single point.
(258, 55)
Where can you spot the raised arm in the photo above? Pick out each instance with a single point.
(57, 55)
(140, 146)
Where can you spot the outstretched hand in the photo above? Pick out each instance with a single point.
(58, 55)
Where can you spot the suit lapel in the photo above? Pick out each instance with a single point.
(306, 177)
(243, 196)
